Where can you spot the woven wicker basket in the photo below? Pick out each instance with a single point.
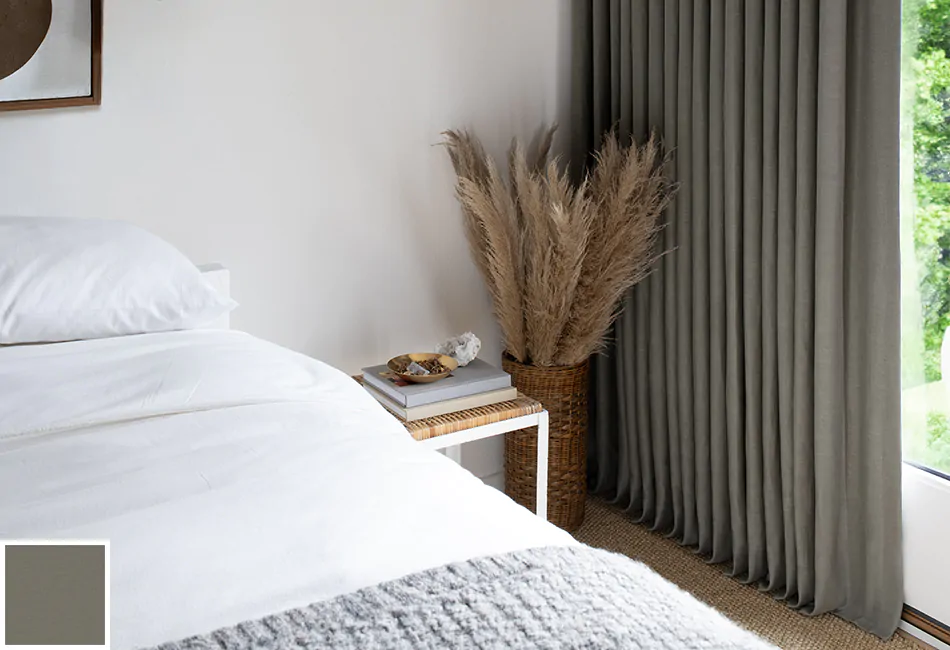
(563, 392)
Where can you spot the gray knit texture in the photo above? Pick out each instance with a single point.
(556, 597)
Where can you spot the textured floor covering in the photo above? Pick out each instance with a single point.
(609, 528)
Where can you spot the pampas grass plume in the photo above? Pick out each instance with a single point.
(557, 257)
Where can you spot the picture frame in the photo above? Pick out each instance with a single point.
(94, 95)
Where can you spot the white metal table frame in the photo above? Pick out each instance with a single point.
(451, 441)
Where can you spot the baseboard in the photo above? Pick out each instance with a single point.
(930, 626)
(918, 638)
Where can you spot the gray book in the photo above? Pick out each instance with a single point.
(477, 377)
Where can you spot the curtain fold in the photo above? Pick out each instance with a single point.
(749, 405)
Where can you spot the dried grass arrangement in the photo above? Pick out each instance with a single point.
(558, 257)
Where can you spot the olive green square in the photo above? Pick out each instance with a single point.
(55, 595)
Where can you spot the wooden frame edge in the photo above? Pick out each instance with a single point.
(95, 61)
(921, 621)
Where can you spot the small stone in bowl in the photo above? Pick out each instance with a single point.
(415, 369)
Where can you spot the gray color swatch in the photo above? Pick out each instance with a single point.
(55, 595)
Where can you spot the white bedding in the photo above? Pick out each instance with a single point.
(234, 479)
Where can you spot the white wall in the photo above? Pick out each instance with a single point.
(292, 140)
(926, 529)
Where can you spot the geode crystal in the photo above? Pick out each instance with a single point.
(463, 348)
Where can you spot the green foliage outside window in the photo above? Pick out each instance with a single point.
(925, 216)
(931, 119)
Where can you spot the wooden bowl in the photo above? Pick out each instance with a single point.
(403, 360)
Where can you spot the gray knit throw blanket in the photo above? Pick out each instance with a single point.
(556, 597)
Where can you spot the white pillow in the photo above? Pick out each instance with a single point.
(68, 279)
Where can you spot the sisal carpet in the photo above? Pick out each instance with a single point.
(609, 528)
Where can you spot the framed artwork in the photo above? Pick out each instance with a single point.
(50, 54)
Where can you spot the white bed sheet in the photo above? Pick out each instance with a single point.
(233, 478)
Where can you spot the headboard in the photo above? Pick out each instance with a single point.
(220, 278)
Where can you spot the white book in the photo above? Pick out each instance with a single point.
(412, 413)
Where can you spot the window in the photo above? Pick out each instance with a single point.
(925, 235)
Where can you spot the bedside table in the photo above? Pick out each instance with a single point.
(451, 430)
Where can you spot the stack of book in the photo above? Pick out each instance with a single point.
(477, 384)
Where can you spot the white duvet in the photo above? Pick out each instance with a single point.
(233, 478)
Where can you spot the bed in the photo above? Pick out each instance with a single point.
(254, 497)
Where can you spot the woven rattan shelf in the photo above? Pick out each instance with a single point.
(471, 418)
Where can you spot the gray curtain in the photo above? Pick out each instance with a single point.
(750, 404)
